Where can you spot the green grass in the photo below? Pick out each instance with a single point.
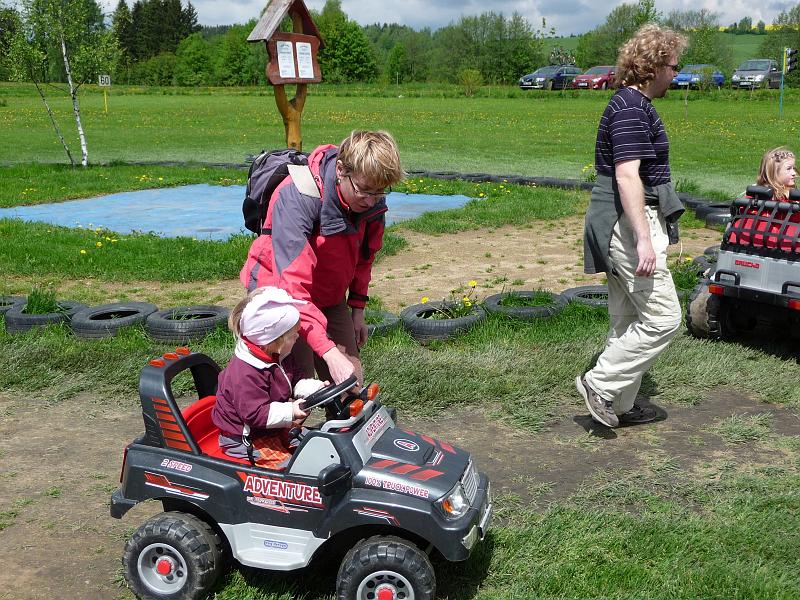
(716, 140)
(26, 184)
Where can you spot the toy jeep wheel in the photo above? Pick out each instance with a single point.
(173, 555)
(385, 568)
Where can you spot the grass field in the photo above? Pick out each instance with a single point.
(716, 139)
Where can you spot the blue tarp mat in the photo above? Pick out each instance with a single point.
(200, 211)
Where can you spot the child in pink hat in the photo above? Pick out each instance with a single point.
(260, 391)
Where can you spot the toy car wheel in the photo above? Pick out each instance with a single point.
(703, 313)
(328, 394)
(387, 567)
(173, 555)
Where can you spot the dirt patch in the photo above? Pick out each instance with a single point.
(60, 463)
(546, 255)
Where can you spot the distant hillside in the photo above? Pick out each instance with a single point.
(744, 46)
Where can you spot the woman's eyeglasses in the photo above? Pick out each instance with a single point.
(376, 195)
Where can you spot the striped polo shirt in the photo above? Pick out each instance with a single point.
(630, 129)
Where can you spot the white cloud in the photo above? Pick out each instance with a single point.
(567, 16)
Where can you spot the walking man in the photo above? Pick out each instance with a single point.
(629, 224)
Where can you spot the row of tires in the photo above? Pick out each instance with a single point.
(417, 318)
(714, 214)
(178, 325)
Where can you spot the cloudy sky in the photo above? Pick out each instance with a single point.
(567, 16)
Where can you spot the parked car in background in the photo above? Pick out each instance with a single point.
(757, 72)
(596, 78)
(698, 76)
(554, 77)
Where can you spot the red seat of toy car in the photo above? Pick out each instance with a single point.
(203, 430)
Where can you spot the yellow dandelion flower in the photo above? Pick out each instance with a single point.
(472, 283)
(83, 251)
(424, 299)
(99, 244)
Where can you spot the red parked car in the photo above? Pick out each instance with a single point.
(596, 78)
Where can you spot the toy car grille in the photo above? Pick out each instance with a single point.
(470, 482)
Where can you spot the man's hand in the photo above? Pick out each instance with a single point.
(339, 365)
(647, 258)
(359, 326)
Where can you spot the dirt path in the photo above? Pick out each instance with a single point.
(59, 463)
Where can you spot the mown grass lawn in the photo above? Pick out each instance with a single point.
(717, 139)
(728, 531)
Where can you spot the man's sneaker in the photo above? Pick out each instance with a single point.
(638, 414)
(600, 408)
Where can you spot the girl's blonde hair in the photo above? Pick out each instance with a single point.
(646, 52)
(235, 323)
(770, 167)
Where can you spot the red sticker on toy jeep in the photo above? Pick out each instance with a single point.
(278, 489)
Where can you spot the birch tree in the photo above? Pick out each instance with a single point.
(84, 53)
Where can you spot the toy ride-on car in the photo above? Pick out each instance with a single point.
(756, 280)
(357, 485)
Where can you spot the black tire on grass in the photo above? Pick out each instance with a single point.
(494, 304)
(424, 329)
(714, 207)
(715, 219)
(18, 321)
(712, 251)
(388, 322)
(591, 295)
(6, 302)
(107, 319)
(184, 324)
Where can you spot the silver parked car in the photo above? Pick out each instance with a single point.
(757, 72)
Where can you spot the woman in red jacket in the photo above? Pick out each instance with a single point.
(320, 247)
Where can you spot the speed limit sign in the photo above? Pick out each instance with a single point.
(105, 80)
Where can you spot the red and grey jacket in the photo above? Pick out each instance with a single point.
(315, 248)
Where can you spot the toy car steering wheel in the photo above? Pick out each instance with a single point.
(327, 394)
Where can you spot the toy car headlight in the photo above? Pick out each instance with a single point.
(455, 503)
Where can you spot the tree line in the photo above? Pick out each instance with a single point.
(159, 42)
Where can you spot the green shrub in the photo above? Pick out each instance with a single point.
(470, 80)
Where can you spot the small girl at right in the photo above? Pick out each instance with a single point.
(767, 228)
(778, 172)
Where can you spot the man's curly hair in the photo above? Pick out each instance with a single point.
(647, 51)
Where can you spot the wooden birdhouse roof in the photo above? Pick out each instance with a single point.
(274, 14)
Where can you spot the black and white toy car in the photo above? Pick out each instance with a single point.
(756, 279)
(358, 485)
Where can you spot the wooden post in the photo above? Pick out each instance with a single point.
(292, 110)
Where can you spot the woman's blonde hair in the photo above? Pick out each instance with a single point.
(235, 323)
(647, 51)
(771, 164)
(372, 155)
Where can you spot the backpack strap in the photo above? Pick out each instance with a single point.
(303, 180)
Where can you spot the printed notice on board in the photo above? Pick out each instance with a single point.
(286, 60)
(304, 64)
